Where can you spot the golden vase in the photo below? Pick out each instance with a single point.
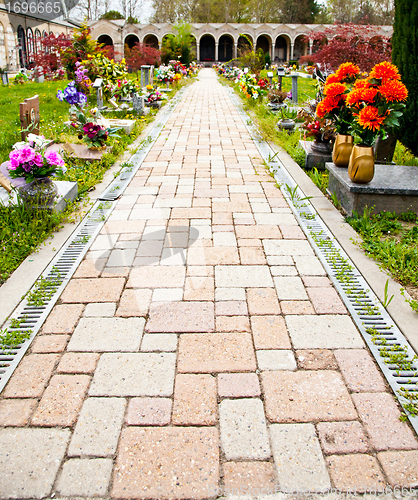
(361, 166)
(341, 151)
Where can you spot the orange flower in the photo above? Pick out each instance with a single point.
(385, 71)
(361, 84)
(347, 70)
(393, 90)
(354, 97)
(368, 95)
(327, 105)
(334, 89)
(369, 118)
(333, 78)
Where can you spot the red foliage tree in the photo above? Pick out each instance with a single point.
(141, 54)
(48, 55)
(360, 44)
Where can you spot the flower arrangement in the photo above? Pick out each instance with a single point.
(153, 95)
(121, 89)
(93, 134)
(71, 95)
(248, 84)
(321, 129)
(165, 74)
(82, 78)
(276, 96)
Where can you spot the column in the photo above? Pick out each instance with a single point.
(310, 46)
(235, 50)
(292, 46)
(216, 50)
(197, 51)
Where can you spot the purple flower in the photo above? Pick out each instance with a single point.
(60, 95)
(27, 167)
(26, 154)
(91, 130)
(38, 160)
(53, 158)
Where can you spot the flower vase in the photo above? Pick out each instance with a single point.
(322, 147)
(40, 192)
(168, 84)
(341, 152)
(97, 148)
(361, 165)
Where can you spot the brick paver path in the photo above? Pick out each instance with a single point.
(200, 347)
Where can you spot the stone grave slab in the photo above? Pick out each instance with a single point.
(126, 125)
(83, 152)
(29, 116)
(393, 188)
(314, 159)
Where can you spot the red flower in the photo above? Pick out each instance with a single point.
(385, 71)
(334, 89)
(333, 78)
(393, 90)
(347, 70)
(327, 105)
(369, 118)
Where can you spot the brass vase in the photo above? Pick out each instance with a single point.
(341, 151)
(361, 165)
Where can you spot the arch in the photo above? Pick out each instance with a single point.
(243, 44)
(38, 44)
(300, 47)
(105, 39)
(131, 40)
(151, 40)
(264, 43)
(3, 58)
(30, 40)
(207, 48)
(226, 48)
(21, 38)
(281, 48)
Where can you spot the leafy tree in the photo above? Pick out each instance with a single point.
(299, 11)
(404, 56)
(178, 45)
(132, 20)
(361, 45)
(112, 15)
(250, 58)
(141, 54)
(82, 46)
(49, 59)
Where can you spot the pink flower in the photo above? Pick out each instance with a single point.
(53, 158)
(38, 160)
(12, 166)
(26, 154)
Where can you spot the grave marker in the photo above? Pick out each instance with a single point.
(280, 74)
(138, 104)
(98, 85)
(145, 71)
(270, 77)
(29, 117)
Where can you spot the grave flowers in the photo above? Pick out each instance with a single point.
(72, 96)
(122, 89)
(165, 74)
(93, 135)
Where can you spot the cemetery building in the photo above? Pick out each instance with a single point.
(216, 42)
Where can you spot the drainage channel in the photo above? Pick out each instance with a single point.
(390, 348)
(31, 313)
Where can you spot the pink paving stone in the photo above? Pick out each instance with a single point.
(123, 226)
(200, 271)
(401, 467)
(199, 288)
(326, 301)
(359, 473)
(49, 343)
(62, 400)
(262, 301)
(149, 411)
(134, 303)
(359, 370)
(157, 276)
(251, 478)
(231, 308)
(180, 317)
(31, 376)
(296, 307)
(16, 412)
(306, 396)
(115, 272)
(93, 290)
(316, 281)
(167, 463)
(342, 437)
(191, 213)
(316, 359)
(259, 231)
(221, 218)
(380, 415)
(253, 242)
(236, 385)
(81, 362)
(232, 324)
(215, 353)
(194, 400)
(212, 256)
(90, 268)
(292, 232)
(63, 318)
(270, 332)
(252, 256)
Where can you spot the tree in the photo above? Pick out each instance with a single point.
(178, 45)
(112, 15)
(49, 58)
(141, 54)
(361, 45)
(299, 11)
(404, 56)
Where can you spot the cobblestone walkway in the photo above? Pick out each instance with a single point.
(200, 348)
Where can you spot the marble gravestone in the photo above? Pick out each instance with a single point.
(145, 74)
(98, 85)
(138, 104)
(29, 117)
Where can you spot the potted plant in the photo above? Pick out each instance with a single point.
(276, 98)
(72, 96)
(321, 129)
(287, 121)
(93, 135)
(153, 98)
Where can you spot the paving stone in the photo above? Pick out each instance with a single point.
(224, 239)
(199, 288)
(276, 360)
(172, 317)
(31, 376)
(136, 374)
(326, 301)
(288, 247)
(306, 396)
(316, 359)
(85, 477)
(211, 256)
(309, 265)
(243, 429)
(121, 257)
(250, 255)
(216, 352)
(61, 401)
(194, 400)
(165, 342)
(290, 288)
(283, 271)
(380, 415)
(356, 473)
(63, 318)
(93, 290)
(298, 458)
(316, 281)
(78, 362)
(276, 218)
(107, 335)
(97, 430)
(243, 277)
(155, 276)
(21, 450)
(231, 308)
(104, 242)
(248, 478)
(149, 411)
(232, 324)
(259, 231)
(116, 272)
(292, 232)
(134, 303)
(300, 307)
(229, 294)
(280, 260)
(262, 301)
(49, 343)
(238, 385)
(270, 332)
(401, 467)
(101, 310)
(16, 412)
(359, 371)
(92, 266)
(325, 332)
(200, 271)
(167, 463)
